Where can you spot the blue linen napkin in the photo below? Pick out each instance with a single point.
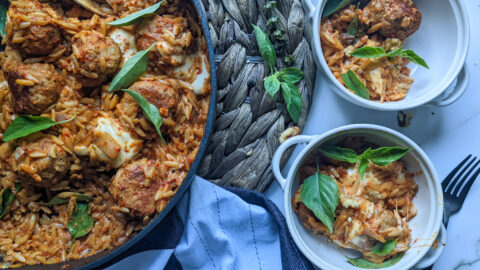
(219, 228)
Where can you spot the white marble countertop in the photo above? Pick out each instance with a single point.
(446, 134)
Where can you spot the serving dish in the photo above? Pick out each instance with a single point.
(425, 227)
(101, 258)
(448, 76)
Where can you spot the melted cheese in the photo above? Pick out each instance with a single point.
(126, 42)
(200, 80)
(377, 80)
(111, 144)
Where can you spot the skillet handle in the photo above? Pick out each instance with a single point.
(463, 80)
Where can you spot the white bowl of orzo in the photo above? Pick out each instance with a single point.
(392, 55)
(362, 196)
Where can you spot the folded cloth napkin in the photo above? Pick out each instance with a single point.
(218, 228)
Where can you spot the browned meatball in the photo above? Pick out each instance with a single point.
(158, 92)
(34, 87)
(161, 93)
(172, 36)
(135, 186)
(39, 40)
(41, 162)
(391, 18)
(98, 57)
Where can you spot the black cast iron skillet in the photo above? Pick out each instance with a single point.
(147, 239)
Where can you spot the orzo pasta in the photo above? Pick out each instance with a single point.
(380, 23)
(58, 63)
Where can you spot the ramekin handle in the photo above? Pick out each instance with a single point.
(309, 8)
(434, 253)
(277, 157)
(463, 80)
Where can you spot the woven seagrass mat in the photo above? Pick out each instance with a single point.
(248, 122)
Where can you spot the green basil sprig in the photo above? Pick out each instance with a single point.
(377, 52)
(150, 111)
(353, 83)
(63, 197)
(355, 29)
(382, 156)
(137, 16)
(285, 79)
(81, 222)
(320, 194)
(6, 198)
(3, 20)
(265, 46)
(25, 125)
(333, 6)
(133, 68)
(382, 249)
(363, 263)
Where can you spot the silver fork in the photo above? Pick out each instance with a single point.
(456, 186)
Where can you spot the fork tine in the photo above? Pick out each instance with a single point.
(464, 179)
(450, 176)
(464, 191)
(454, 183)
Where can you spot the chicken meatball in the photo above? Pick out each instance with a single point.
(158, 92)
(172, 36)
(135, 186)
(39, 40)
(161, 93)
(34, 87)
(40, 162)
(98, 57)
(391, 18)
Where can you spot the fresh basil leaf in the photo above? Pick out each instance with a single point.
(133, 68)
(291, 75)
(265, 46)
(362, 167)
(340, 154)
(6, 198)
(137, 16)
(320, 194)
(333, 6)
(18, 187)
(25, 125)
(410, 55)
(354, 27)
(64, 198)
(271, 84)
(363, 263)
(3, 20)
(369, 52)
(293, 100)
(150, 111)
(382, 249)
(353, 83)
(385, 155)
(81, 222)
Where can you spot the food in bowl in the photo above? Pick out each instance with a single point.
(362, 45)
(103, 111)
(360, 196)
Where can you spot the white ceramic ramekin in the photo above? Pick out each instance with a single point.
(429, 200)
(442, 40)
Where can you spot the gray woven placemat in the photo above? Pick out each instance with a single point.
(249, 123)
